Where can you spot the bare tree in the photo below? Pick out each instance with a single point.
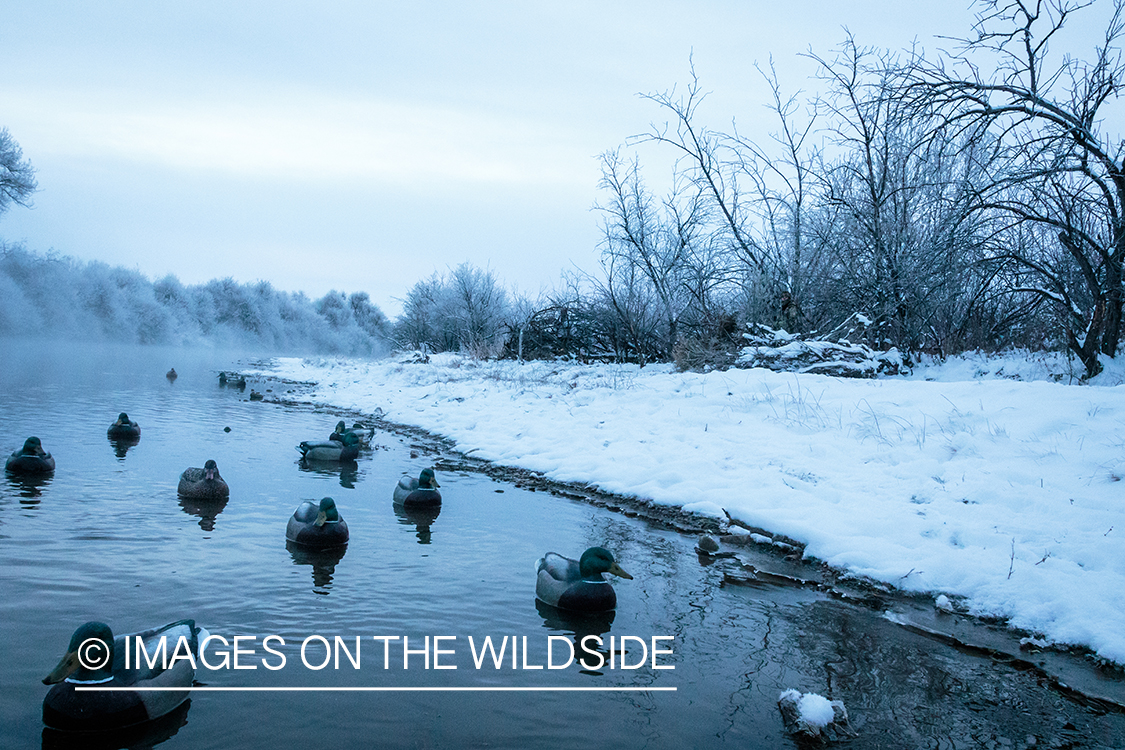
(17, 176)
(898, 195)
(1056, 165)
(660, 242)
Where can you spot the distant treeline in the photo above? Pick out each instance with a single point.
(63, 298)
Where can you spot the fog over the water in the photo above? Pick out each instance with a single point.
(59, 298)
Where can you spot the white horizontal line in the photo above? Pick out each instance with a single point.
(220, 689)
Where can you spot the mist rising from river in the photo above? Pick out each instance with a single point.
(60, 298)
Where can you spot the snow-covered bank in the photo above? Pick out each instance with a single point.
(1004, 495)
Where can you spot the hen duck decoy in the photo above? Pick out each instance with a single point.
(328, 450)
(578, 585)
(418, 493)
(95, 658)
(317, 525)
(124, 428)
(203, 484)
(30, 459)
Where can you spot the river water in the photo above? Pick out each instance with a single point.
(107, 538)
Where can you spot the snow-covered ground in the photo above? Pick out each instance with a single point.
(1003, 494)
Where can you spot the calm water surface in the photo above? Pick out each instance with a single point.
(107, 538)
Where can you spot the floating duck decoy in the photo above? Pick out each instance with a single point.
(578, 585)
(348, 436)
(358, 431)
(232, 379)
(203, 484)
(171, 374)
(30, 459)
(418, 493)
(317, 525)
(255, 396)
(124, 428)
(94, 657)
(328, 450)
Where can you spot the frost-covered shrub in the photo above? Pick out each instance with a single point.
(64, 298)
(787, 352)
(465, 310)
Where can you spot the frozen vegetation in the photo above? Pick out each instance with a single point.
(57, 297)
(984, 482)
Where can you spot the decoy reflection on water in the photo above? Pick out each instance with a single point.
(29, 486)
(323, 562)
(30, 459)
(121, 446)
(124, 428)
(317, 525)
(203, 484)
(578, 585)
(421, 518)
(347, 471)
(418, 493)
(205, 510)
(94, 657)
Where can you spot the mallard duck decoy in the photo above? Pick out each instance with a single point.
(360, 431)
(328, 450)
(203, 484)
(255, 396)
(30, 459)
(171, 374)
(578, 585)
(232, 379)
(124, 428)
(420, 492)
(94, 657)
(357, 434)
(317, 524)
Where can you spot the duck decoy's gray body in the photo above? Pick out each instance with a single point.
(68, 709)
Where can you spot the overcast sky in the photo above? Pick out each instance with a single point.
(361, 146)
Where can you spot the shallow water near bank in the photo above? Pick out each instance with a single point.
(107, 538)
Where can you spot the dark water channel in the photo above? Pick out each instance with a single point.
(107, 538)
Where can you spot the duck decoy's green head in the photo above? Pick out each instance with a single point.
(89, 655)
(328, 512)
(211, 469)
(599, 560)
(123, 418)
(341, 428)
(427, 480)
(33, 445)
